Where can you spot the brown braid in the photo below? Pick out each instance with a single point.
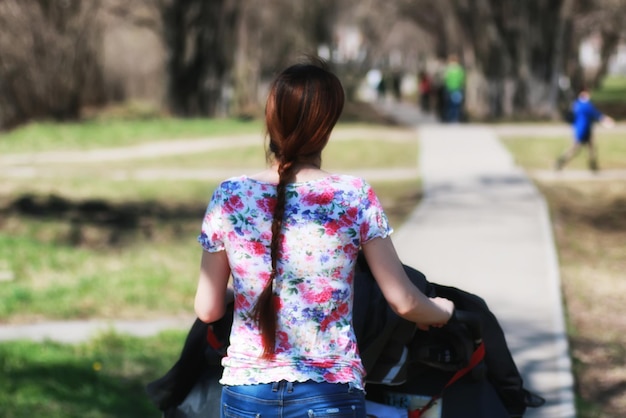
(265, 308)
(303, 106)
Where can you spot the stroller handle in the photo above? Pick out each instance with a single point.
(473, 322)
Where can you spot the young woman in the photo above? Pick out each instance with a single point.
(290, 236)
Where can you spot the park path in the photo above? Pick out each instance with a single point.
(483, 226)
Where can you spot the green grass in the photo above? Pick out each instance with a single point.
(134, 255)
(613, 89)
(96, 133)
(540, 153)
(339, 155)
(589, 225)
(104, 377)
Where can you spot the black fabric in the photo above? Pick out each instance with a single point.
(500, 366)
(382, 337)
(197, 362)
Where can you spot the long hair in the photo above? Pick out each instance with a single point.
(303, 106)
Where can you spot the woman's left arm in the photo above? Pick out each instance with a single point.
(211, 293)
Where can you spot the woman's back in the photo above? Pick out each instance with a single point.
(326, 220)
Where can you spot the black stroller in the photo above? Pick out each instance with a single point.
(463, 370)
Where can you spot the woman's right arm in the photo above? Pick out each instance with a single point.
(402, 295)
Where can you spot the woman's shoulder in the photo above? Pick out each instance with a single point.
(346, 181)
(240, 184)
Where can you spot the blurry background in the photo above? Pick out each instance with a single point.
(113, 120)
(63, 59)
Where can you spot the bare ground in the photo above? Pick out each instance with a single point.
(589, 219)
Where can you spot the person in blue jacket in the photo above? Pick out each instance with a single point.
(584, 115)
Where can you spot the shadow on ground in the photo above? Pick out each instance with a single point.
(98, 222)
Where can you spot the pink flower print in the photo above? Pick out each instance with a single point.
(278, 303)
(323, 198)
(282, 342)
(341, 375)
(267, 204)
(241, 302)
(350, 250)
(332, 227)
(334, 316)
(264, 276)
(233, 204)
(371, 196)
(323, 364)
(349, 217)
(240, 270)
(311, 296)
(255, 247)
(364, 230)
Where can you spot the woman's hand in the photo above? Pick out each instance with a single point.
(446, 306)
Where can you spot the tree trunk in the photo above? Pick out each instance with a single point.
(200, 37)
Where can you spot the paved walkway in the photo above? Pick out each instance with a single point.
(482, 226)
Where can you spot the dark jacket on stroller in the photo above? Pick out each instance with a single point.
(390, 348)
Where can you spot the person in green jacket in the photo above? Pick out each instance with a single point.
(454, 82)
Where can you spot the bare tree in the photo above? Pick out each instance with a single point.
(52, 70)
(605, 18)
(200, 38)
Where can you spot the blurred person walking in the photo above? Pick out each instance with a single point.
(454, 83)
(425, 91)
(583, 117)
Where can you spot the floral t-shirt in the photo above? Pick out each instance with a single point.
(326, 221)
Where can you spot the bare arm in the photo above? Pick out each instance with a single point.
(607, 121)
(212, 293)
(401, 294)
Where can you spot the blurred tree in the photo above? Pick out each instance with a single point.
(271, 35)
(605, 18)
(200, 38)
(53, 69)
(517, 52)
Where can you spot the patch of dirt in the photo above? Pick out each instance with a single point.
(590, 230)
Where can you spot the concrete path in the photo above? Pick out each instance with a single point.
(483, 227)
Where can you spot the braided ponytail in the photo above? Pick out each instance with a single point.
(303, 106)
(265, 310)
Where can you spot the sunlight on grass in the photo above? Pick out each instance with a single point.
(45, 136)
(541, 153)
(104, 377)
(89, 243)
(613, 89)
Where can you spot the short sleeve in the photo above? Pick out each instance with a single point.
(211, 236)
(374, 222)
(596, 114)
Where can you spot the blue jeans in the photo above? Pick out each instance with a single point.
(290, 400)
(454, 105)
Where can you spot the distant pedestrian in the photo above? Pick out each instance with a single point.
(425, 90)
(381, 88)
(583, 116)
(454, 83)
(396, 85)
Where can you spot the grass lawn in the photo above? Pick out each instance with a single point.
(102, 378)
(613, 89)
(85, 245)
(116, 132)
(536, 153)
(589, 220)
